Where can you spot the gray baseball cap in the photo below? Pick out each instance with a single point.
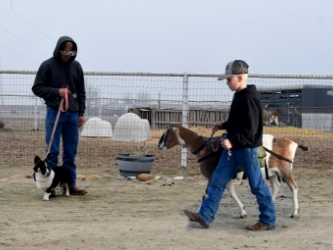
(237, 67)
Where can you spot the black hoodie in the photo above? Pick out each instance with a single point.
(54, 73)
(244, 124)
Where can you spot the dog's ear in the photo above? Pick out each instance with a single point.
(37, 159)
(35, 169)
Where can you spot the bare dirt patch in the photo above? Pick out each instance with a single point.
(122, 214)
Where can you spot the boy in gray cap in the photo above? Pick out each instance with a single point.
(244, 127)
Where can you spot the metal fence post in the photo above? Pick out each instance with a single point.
(184, 116)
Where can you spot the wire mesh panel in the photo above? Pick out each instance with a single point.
(299, 108)
(111, 96)
(19, 111)
(127, 113)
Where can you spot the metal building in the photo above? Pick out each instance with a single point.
(305, 106)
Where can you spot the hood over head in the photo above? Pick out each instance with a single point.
(60, 44)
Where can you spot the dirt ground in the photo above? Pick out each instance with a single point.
(123, 214)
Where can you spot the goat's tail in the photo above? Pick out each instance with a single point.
(303, 147)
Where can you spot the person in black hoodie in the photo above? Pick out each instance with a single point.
(244, 136)
(54, 76)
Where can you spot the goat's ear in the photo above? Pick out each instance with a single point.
(175, 129)
(37, 159)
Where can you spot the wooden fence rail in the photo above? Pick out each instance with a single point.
(161, 118)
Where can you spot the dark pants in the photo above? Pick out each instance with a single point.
(68, 130)
(225, 171)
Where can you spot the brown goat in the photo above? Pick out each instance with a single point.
(208, 159)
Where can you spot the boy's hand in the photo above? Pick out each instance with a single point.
(226, 144)
(217, 126)
(81, 120)
(62, 92)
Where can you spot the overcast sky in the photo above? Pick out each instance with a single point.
(280, 36)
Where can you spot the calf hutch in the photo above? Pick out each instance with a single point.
(96, 127)
(161, 118)
(307, 106)
(131, 128)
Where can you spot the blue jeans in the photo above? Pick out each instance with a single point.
(225, 171)
(68, 130)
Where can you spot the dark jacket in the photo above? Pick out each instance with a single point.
(244, 125)
(54, 74)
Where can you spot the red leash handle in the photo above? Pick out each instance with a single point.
(64, 106)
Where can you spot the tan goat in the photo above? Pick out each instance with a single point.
(205, 152)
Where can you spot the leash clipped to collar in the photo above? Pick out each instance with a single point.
(203, 145)
(63, 107)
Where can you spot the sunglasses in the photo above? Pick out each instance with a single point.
(68, 52)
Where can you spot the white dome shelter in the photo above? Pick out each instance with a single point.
(96, 127)
(146, 127)
(130, 128)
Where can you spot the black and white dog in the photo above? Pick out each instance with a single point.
(49, 179)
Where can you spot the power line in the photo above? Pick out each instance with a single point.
(22, 19)
(17, 53)
(32, 26)
(23, 40)
(11, 10)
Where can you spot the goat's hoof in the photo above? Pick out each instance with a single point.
(243, 216)
(294, 216)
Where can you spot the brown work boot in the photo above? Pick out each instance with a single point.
(259, 227)
(196, 218)
(77, 191)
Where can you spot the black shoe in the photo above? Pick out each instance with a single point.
(196, 218)
(77, 191)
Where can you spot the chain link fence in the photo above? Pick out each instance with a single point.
(296, 107)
